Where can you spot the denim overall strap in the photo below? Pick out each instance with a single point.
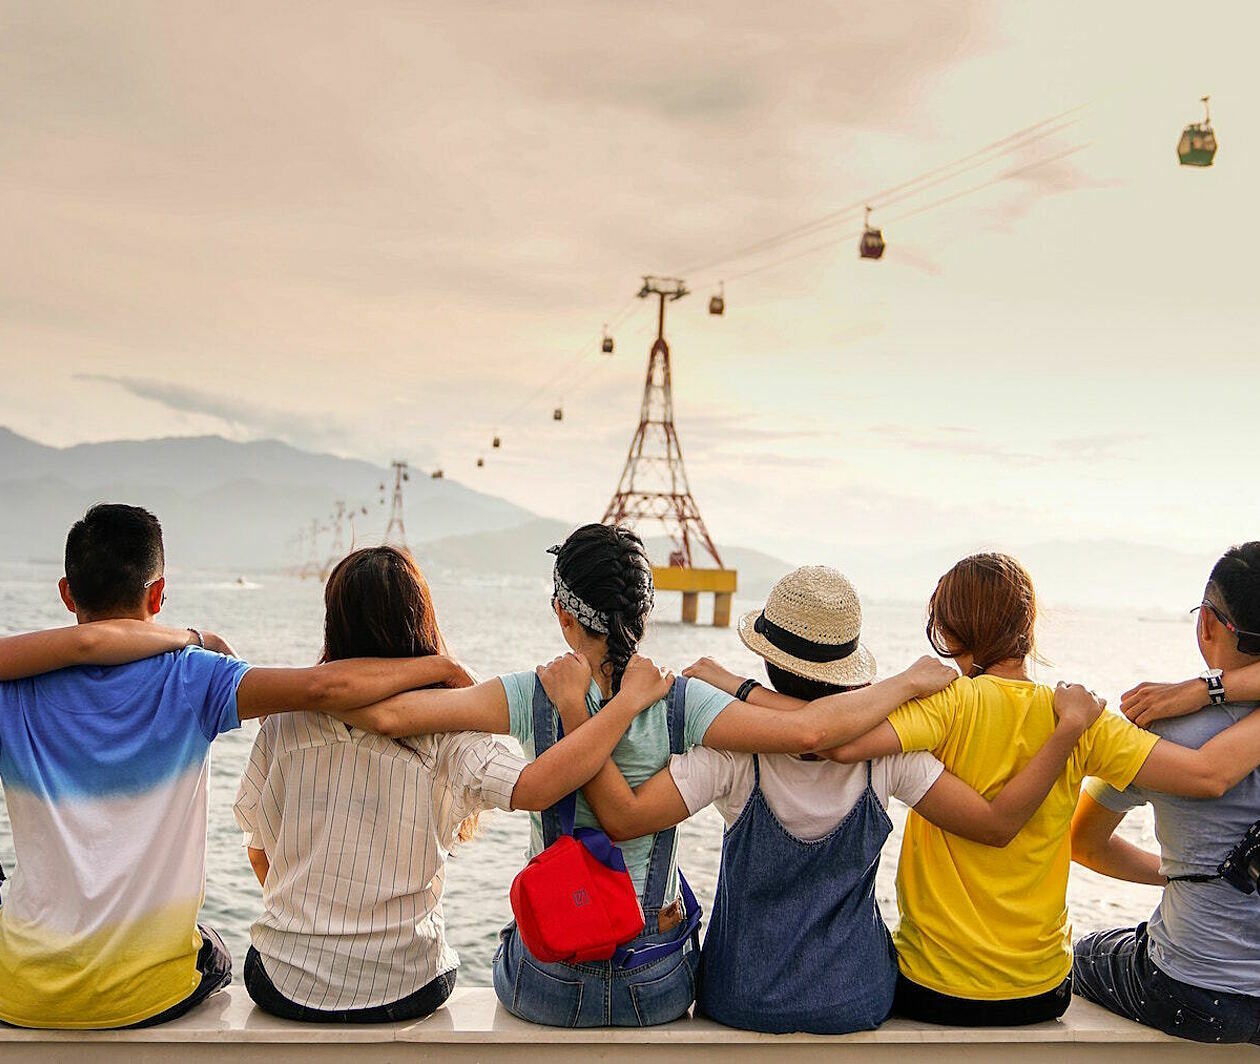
(663, 842)
(558, 819)
(663, 856)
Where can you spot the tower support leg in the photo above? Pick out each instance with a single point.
(722, 609)
(690, 607)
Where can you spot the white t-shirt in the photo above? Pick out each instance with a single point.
(809, 797)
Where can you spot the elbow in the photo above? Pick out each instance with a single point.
(1212, 786)
(390, 725)
(807, 737)
(325, 692)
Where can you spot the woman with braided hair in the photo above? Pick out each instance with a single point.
(602, 597)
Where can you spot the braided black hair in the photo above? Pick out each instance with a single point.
(1236, 580)
(607, 567)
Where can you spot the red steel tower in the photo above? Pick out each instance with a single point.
(654, 486)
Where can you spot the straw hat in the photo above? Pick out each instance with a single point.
(811, 626)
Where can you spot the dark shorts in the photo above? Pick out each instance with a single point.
(1114, 969)
(215, 965)
(914, 1002)
(428, 999)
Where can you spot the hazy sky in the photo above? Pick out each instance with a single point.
(375, 229)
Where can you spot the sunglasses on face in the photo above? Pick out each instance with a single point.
(1250, 639)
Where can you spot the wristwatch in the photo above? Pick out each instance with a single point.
(1215, 680)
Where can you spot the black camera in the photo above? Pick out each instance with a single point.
(1241, 867)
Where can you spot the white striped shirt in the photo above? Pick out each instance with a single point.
(357, 828)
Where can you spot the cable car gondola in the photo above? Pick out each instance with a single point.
(557, 414)
(480, 462)
(437, 474)
(1197, 146)
(496, 443)
(717, 303)
(607, 345)
(871, 246)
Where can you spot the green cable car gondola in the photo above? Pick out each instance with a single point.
(1197, 146)
(871, 246)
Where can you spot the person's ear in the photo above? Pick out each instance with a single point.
(63, 586)
(566, 619)
(156, 596)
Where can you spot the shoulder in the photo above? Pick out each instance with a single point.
(907, 777)
(1197, 728)
(702, 697)
(519, 686)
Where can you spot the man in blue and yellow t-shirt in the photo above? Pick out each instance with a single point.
(105, 769)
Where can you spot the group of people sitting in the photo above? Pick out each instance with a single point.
(373, 765)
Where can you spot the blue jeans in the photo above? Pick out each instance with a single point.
(1114, 969)
(595, 994)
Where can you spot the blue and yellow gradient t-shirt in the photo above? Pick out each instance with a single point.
(105, 774)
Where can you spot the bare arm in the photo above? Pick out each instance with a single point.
(1149, 702)
(1096, 845)
(1208, 772)
(259, 863)
(826, 722)
(480, 708)
(338, 687)
(94, 643)
(589, 741)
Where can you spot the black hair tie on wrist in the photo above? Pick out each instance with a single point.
(745, 689)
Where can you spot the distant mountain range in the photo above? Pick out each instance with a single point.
(222, 503)
(240, 506)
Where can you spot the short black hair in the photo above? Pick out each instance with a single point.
(1236, 580)
(110, 555)
(802, 687)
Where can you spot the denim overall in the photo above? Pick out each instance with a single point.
(796, 941)
(627, 991)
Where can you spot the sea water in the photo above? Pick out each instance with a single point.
(501, 625)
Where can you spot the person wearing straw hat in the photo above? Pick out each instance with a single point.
(796, 941)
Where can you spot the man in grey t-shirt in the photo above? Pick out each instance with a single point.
(1194, 969)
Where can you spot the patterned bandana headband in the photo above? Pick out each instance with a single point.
(588, 616)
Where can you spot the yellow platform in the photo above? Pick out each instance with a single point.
(721, 583)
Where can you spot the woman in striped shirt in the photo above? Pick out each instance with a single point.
(348, 831)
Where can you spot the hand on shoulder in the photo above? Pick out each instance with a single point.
(929, 675)
(709, 671)
(645, 684)
(1149, 702)
(566, 679)
(1076, 706)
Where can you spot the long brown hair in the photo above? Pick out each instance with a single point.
(377, 604)
(984, 606)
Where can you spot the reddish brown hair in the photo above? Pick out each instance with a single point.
(984, 606)
(377, 604)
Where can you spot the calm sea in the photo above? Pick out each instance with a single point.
(499, 625)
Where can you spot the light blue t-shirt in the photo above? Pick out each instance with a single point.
(1205, 934)
(642, 752)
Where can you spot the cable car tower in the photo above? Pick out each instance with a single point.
(395, 530)
(654, 486)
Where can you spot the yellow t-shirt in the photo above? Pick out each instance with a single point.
(977, 921)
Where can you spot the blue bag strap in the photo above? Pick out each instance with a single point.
(558, 819)
(663, 842)
(629, 958)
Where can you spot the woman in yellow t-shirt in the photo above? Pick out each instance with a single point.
(984, 936)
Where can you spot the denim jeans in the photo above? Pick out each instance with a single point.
(595, 994)
(1114, 969)
(214, 962)
(428, 999)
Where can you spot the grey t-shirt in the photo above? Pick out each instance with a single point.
(1205, 934)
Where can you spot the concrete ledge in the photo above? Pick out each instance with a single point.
(474, 1027)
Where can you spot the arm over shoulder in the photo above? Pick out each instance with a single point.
(1116, 750)
(701, 707)
(923, 723)
(209, 682)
